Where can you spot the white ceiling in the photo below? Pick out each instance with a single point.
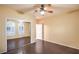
(26, 6)
(57, 8)
(19, 6)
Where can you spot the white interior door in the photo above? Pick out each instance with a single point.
(39, 31)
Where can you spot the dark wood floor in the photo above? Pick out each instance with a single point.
(17, 42)
(43, 47)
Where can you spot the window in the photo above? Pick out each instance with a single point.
(10, 28)
(21, 28)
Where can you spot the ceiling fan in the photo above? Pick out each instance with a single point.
(44, 9)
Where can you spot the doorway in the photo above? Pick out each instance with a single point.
(18, 34)
(40, 31)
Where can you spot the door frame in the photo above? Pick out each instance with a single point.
(16, 19)
(42, 31)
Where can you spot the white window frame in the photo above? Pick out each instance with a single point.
(11, 26)
(20, 28)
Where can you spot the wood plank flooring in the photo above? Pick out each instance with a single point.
(43, 47)
(17, 42)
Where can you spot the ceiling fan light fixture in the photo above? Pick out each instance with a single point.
(42, 12)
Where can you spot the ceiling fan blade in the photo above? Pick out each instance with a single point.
(50, 11)
(49, 8)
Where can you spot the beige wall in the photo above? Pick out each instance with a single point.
(27, 29)
(9, 13)
(2, 36)
(63, 29)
